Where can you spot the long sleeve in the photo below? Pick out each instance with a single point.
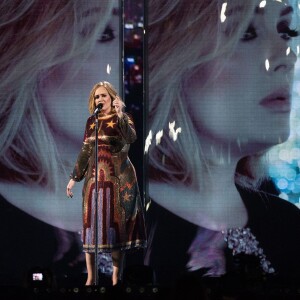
(127, 128)
(84, 155)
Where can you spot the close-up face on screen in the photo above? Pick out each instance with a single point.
(53, 53)
(48, 71)
(223, 137)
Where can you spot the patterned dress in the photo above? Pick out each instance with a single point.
(120, 211)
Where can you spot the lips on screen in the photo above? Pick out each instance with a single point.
(239, 104)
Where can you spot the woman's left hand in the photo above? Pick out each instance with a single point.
(118, 104)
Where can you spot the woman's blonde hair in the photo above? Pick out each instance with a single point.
(36, 37)
(110, 89)
(184, 37)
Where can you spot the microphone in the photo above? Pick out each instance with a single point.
(98, 108)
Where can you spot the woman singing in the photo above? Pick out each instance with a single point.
(120, 212)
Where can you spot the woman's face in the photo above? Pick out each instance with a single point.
(102, 96)
(65, 94)
(249, 102)
(64, 97)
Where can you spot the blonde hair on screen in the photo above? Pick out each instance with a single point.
(36, 37)
(182, 40)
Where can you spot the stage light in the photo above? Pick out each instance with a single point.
(130, 60)
(38, 277)
(129, 26)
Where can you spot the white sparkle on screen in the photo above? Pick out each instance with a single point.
(262, 3)
(158, 137)
(148, 141)
(223, 10)
(267, 64)
(108, 69)
(173, 133)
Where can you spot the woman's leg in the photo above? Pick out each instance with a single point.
(117, 259)
(90, 265)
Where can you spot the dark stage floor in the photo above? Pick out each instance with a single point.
(189, 287)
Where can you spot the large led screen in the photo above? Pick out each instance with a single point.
(223, 139)
(52, 54)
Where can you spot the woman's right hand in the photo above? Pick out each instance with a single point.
(69, 188)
